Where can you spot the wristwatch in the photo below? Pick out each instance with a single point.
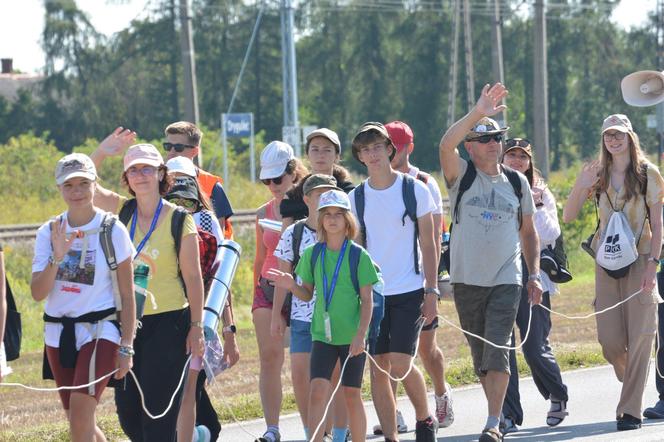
(535, 277)
(229, 329)
(432, 290)
(653, 259)
(55, 262)
(198, 324)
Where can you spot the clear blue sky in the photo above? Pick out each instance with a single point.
(21, 28)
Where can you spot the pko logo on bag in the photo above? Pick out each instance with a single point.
(610, 246)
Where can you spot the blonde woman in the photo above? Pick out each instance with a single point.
(617, 181)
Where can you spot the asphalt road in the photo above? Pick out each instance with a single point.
(594, 393)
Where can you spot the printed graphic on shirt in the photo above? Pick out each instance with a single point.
(490, 210)
(70, 269)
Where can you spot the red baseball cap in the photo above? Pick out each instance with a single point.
(400, 133)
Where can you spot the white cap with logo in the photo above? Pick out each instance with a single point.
(75, 165)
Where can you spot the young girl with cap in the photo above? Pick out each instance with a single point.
(538, 354)
(280, 171)
(341, 316)
(617, 182)
(171, 327)
(323, 150)
(83, 341)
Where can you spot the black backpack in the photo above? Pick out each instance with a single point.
(13, 329)
(409, 200)
(466, 181)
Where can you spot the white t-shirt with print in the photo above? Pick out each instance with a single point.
(300, 310)
(432, 185)
(77, 290)
(389, 241)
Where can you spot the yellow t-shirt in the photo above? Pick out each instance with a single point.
(159, 255)
(634, 209)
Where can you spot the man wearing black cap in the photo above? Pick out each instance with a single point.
(408, 264)
(492, 220)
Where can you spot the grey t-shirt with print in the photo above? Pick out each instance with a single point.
(485, 244)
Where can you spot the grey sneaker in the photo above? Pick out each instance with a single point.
(656, 412)
(444, 411)
(508, 426)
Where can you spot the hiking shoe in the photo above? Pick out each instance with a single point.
(202, 434)
(425, 431)
(270, 436)
(401, 426)
(656, 412)
(491, 435)
(508, 426)
(628, 422)
(444, 411)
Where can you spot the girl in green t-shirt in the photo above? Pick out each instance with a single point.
(341, 316)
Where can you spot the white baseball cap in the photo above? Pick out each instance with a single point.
(274, 159)
(334, 198)
(75, 165)
(142, 154)
(182, 165)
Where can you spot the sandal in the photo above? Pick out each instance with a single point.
(556, 416)
(491, 435)
(270, 436)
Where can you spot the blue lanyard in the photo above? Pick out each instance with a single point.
(328, 295)
(134, 221)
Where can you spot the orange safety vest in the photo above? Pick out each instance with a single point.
(206, 181)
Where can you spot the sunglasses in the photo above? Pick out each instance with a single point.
(276, 180)
(184, 202)
(484, 139)
(520, 142)
(177, 146)
(618, 136)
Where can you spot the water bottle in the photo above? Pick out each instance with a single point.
(141, 273)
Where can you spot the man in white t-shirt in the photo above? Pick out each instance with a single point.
(409, 271)
(431, 354)
(492, 226)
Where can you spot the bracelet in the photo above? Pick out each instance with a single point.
(54, 261)
(126, 350)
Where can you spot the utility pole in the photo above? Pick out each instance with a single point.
(540, 96)
(452, 87)
(189, 63)
(660, 66)
(175, 104)
(468, 43)
(289, 70)
(497, 52)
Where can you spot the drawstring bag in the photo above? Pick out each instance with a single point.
(617, 251)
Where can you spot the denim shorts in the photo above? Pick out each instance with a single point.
(300, 336)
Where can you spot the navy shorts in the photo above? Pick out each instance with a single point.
(399, 329)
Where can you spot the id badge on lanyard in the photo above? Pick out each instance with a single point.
(327, 294)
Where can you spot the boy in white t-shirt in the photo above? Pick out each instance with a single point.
(409, 271)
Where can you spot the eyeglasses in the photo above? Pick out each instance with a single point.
(145, 171)
(177, 146)
(184, 202)
(484, 139)
(618, 136)
(276, 180)
(520, 142)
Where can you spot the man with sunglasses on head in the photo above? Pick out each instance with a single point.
(492, 224)
(183, 139)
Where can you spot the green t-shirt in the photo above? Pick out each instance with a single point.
(344, 309)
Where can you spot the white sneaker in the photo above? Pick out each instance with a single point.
(401, 426)
(444, 411)
(201, 434)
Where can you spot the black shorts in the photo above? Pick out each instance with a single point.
(325, 356)
(399, 329)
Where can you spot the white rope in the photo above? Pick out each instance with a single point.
(327, 407)
(70, 387)
(590, 315)
(238, 422)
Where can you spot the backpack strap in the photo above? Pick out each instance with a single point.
(354, 262)
(177, 225)
(359, 208)
(466, 181)
(298, 232)
(318, 248)
(513, 177)
(410, 201)
(126, 211)
(106, 241)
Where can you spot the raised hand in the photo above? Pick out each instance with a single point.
(60, 240)
(589, 174)
(117, 142)
(489, 102)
